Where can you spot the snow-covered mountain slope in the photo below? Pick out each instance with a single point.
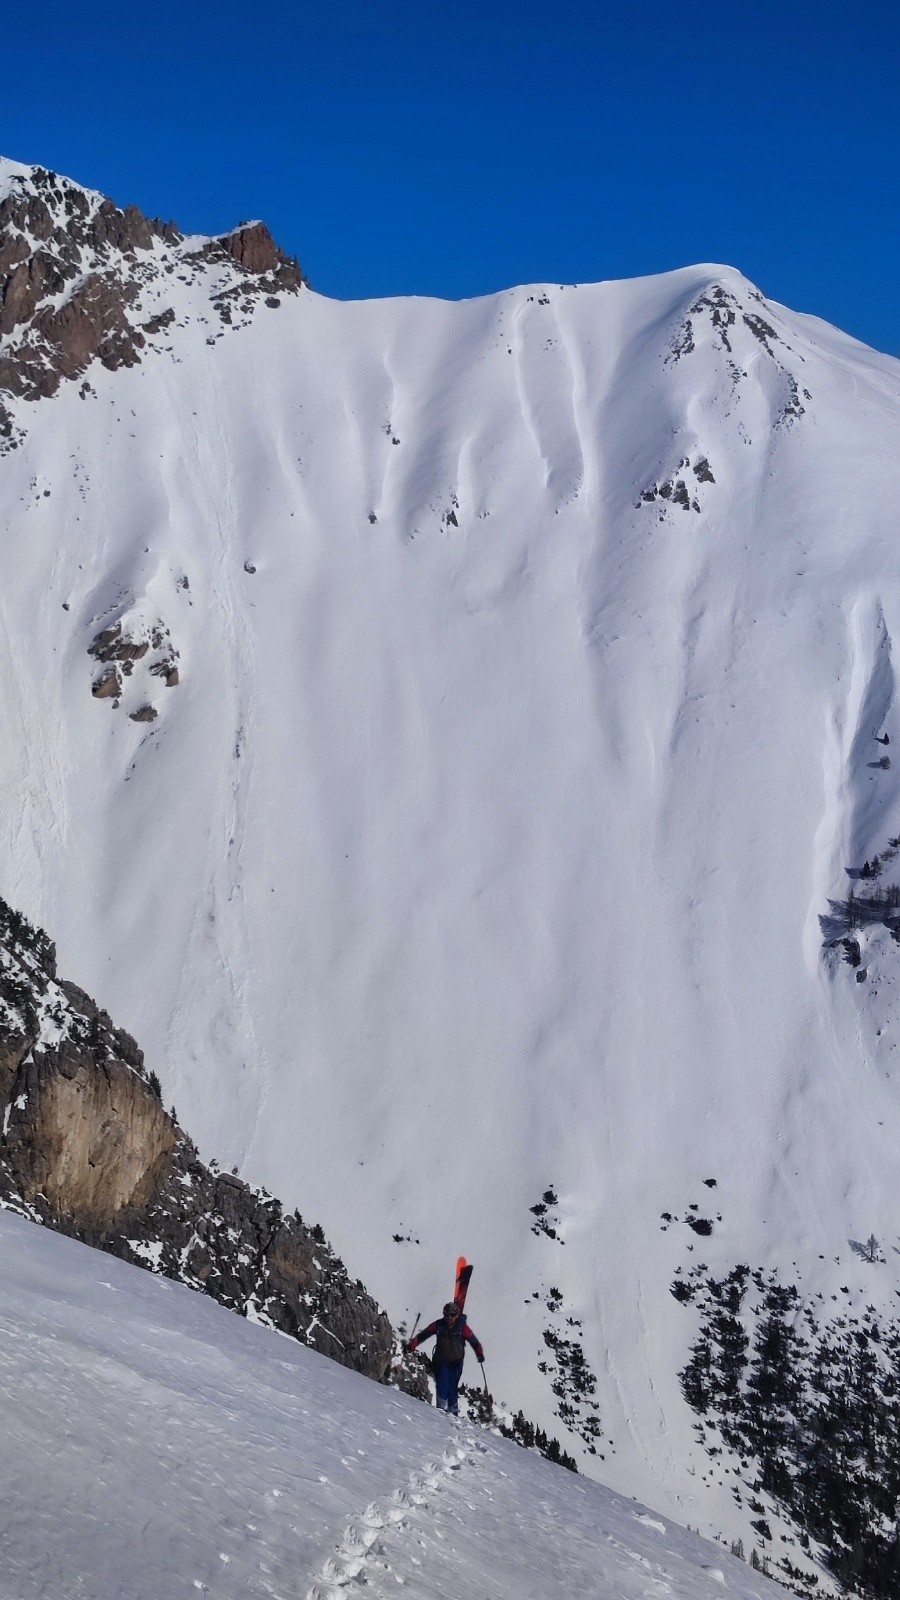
(156, 1446)
(530, 654)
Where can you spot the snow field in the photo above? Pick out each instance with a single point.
(157, 1446)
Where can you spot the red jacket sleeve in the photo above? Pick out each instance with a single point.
(427, 1333)
(475, 1342)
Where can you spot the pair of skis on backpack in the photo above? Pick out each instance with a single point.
(464, 1270)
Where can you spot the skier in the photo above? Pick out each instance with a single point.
(451, 1332)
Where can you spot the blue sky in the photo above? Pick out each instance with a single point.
(454, 149)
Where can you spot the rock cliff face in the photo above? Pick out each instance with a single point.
(87, 1148)
(86, 1138)
(78, 276)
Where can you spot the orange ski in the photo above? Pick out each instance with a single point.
(464, 1270)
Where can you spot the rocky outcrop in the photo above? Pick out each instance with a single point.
(15, 1044)
(108, 686)
(60, 295)
(86, 1137)
(78, 275)
(252, 247)
(114, 644)
(134, 638)
(88, 1148)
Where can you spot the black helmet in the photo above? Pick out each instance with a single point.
(451, 1309)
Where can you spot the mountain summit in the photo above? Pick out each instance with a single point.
(83, 281)
(458, 741)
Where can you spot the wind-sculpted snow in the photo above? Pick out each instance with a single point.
(157, 1447)
(534, 660)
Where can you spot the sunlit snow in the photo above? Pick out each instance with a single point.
(156, 1446)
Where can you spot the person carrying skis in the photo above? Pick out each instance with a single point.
(451, 1332)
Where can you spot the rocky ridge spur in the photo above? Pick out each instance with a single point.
(87, 1148)
(83, 280)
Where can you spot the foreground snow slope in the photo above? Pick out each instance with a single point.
(532, 652)
(156, 1446)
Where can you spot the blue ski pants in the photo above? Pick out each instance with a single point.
(446, 1382)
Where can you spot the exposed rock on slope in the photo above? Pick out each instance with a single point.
(88, 1140)
(118, 648)
(87, 1148)
(78, 277)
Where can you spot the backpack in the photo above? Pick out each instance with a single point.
(450, 1345)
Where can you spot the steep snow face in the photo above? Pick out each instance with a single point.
(531, 654)
(158, 1446)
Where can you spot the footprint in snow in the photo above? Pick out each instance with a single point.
(359, 1551)
(358, 1540)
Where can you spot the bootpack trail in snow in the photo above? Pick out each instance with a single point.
(363, 1555)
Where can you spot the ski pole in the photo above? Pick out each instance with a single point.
(487, 1393)
(408, 1341)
